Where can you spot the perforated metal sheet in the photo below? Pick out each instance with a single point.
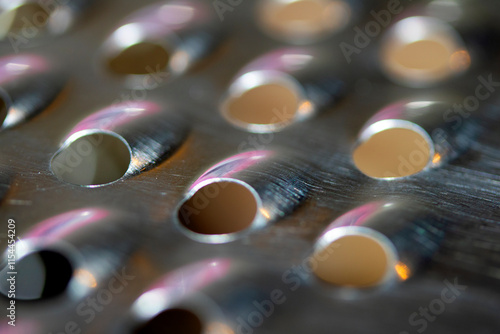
(145, 243)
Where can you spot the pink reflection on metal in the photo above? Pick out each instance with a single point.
(21, 327)
(392, 111)
(283, 60)
(228, 167)
(170, 17)
(357, 216)
(62, 225)
(191, 278)
(12, 67)
(116, 115)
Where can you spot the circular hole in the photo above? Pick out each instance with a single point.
(219, 208)
(353, 260)
(395, 152)
(40, 275)
(27, 16)
(267, 106)
(172, 321)
(93, 159)
(436, 55)
(142, 58)
(304, 20)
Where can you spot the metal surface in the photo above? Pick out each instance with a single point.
(147, 246)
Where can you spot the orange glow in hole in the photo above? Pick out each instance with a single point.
(85, 277)
(436, 159)
(460, 60)
(402, 270)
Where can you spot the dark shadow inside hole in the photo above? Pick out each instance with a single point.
(173, 321)
(228, 207)
(3, 111)
(141, 58)
(40, 275)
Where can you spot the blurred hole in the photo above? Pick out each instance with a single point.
(40, 275)
(353, 260)
(267, 104)
(304, 19)
(92, 160)
(30, 16)
(395, 152)
(219, 208)
(436, 56)
(173, 321)
(141, 58)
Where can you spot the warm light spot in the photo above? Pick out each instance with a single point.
(436, 159)
(402, 270)
(85, 277)
(180, 61)
(135, 161)
(265, 213)
(219, 328)
(305, 108)
(460, 60)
